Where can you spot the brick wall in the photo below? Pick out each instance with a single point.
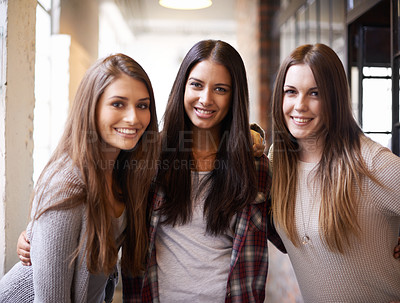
(258, 43)
(269, 61)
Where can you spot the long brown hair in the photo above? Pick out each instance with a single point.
(133, 170)
(341, 167)
(231, 187)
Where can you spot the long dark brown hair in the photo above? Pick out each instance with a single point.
(232, 183)
(133, 171)
(341, 167)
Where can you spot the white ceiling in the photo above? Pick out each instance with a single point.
(147, 16)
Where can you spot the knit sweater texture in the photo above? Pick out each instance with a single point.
(367, 270)
(53, 237)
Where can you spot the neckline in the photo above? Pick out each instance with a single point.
(307, 165)
(121, 216)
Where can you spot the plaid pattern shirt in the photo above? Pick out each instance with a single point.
(249, 259)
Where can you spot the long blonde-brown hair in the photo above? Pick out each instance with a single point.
(133, 171)
(341, 167)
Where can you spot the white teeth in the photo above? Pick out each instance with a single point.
(202, 111)
(126, 131)
(301, 120)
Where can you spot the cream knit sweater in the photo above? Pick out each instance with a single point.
(367, 272)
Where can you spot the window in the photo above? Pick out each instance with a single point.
(377, 107)
(51, 87)
(315, 21)
(41, 122)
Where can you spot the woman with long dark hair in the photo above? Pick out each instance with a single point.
(208, 229)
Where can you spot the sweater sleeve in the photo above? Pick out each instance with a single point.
(55, 238)
(385, 166)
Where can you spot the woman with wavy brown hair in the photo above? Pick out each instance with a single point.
(335, 192)
(92, 195)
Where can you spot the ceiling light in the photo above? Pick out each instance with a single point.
(185, 4)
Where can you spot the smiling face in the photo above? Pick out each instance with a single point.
(208, 94)
(302, 104)
(123, 114)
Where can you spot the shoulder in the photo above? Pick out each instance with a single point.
(374, 153)
(370, 147)
(61, 180)
(64, 170)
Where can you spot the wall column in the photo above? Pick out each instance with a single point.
(17, 79)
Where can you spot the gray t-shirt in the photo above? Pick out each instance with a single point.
(97, 282)
(193, 266)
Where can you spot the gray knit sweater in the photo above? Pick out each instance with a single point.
(54, 237)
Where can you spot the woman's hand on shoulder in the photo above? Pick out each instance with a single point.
(23, 249)
(258, 144)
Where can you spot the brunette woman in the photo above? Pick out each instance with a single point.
(208, 229)
(92, 195)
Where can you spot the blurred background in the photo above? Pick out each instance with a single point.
(47, 45)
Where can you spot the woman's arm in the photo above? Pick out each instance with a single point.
(385, 166)
(55, 237)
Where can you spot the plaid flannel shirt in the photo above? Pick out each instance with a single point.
(249, 259)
